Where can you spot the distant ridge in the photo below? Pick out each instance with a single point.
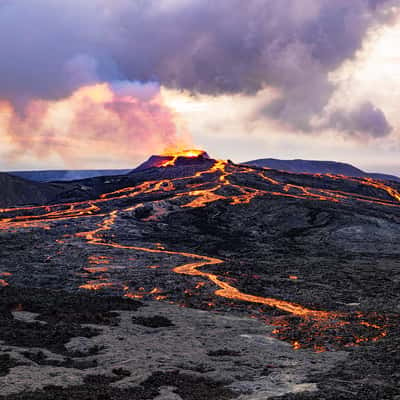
(66, 175)
(318, 167)
(296, 166)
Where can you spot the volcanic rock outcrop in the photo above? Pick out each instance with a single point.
(186, 157)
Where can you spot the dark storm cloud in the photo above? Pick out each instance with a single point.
(364, 120)
(49, 48)
(232, 46)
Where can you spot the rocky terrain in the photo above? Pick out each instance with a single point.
(296, 166)
(202, 279)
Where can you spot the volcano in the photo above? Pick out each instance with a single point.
(182, 158)
(295, 264)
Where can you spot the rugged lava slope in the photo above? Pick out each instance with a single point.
(315, 257)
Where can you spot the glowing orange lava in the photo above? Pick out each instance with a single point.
(186, 153)
(218, 187)
(96, 285)
(193, 153)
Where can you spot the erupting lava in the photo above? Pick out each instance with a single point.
(182, 154)
(187, 153)
(218, 187)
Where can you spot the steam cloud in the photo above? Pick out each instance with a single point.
(50, 49)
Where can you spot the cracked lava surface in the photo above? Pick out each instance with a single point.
(221, 182)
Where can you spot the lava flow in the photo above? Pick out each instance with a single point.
(215, 183)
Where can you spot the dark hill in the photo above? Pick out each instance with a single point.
(18, 191)
(318, 167)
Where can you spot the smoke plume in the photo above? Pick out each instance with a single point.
(123, 120)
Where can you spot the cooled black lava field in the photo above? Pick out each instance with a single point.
(201, 279)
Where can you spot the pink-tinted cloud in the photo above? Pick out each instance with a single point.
(123, 121)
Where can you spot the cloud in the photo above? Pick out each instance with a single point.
(50, 49)
(95, 122)
(366, 119)
(209, 47)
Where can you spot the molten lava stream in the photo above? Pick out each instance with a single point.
(226, 290)
(315, 323)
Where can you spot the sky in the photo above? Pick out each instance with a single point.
(105, 84)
